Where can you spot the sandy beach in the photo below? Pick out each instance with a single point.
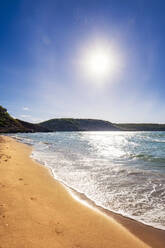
(38, 211)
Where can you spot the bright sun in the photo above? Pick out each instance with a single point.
(100, 63)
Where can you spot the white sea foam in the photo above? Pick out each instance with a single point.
(120, 171)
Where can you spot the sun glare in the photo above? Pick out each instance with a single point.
(100, 63)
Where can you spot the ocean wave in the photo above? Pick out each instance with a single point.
(146, 157)
(122, 172)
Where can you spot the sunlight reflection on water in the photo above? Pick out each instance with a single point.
(121, 171)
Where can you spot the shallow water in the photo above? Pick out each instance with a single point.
(121, 171)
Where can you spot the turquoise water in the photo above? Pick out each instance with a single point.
(121, 171)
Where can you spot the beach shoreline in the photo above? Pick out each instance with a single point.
(150, 235)
(91, 229)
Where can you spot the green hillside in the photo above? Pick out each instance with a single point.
(8, 124)
(31, 127)
(140, 127)
(70, 124)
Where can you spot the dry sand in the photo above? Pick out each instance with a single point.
(36, 211)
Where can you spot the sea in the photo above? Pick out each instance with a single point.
(120, 171)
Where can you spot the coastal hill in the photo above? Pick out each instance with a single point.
(70, 124)
(140, 127)
(31, 127)
(10, 125)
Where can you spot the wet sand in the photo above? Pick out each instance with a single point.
(38, 211)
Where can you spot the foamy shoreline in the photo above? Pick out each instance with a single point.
(128, 188)
(38, 211)
(134, 226)
(88, 197)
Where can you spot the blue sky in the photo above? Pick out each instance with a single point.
(41, 48)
